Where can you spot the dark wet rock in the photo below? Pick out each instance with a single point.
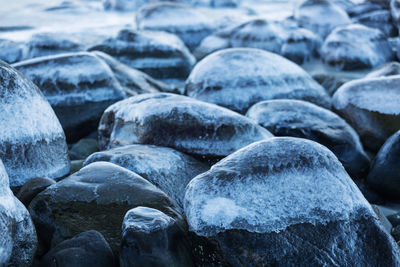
(305, 120)
(159, 54)
(368, 193)
(363, 8)
(187, 23)
(79, 87)
(285, 201)
(32, 142)
(10, 51)
(132, 80)
(301, 45)
(320, 16)
(164, 167)
(356, 47)
(378, 19)
(46, 44)
(83, 148)
(87, 249)
(382, 218)
(394, 219)
(152, 238)
(33, 187)
(237, 78)
(330, 81)
(389, 69)
(94, 198)
(18, 239)
(76, 165)
(372, 107)
(384, 176)
(396, 233)
(180, 122)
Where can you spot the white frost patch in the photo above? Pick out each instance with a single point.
(143, 219)
(221, 211)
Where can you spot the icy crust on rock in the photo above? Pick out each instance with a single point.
(380, 95)
(164, 167)
(10, 51)
(159, 54)
(17, 234)
(320, 16)
(237, 78)
(72, 78)
(146, 220)
(32, 143)
(271, 185)
(179, 122)
(356, 46)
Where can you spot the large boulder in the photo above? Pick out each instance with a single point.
(79, 86)
(378, 19)
(285, 201)
(10, 51)
(152, 238)
(237, 78)
(94, 198)
(180, 122)
(384, 176)
(356, 46)
(320, 16)
(372, 107)
(87, 249)
(305, 120)
(32, 142)
(18, 239)
(186, 22)
(164, 167)
(159, 54)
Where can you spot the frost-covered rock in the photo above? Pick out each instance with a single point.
(10, 51)
(384, 176)
(46, 44)
(159, 54)
(320, 16)
(378, 19)
(18, 239)
(217, 3)
(301, 46)
(372, 107)
(305, 120)
(356, 47)
(152, 238)
(237, 78)
(33, 187)
(389, 69)
(179, 122)
(285, 201)
(94, 198)
(363, 8)
(186, 22)
(87, 249)
(131, 5)
(32, 142)
(164, 167)
(132, 80)
(395, 12)
(79, 87)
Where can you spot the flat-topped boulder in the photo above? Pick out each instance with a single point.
(180, 122)
(237, 78)
(284, 201)
(32, 143)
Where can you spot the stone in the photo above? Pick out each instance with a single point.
(320, 16)
(382, 218)
(79, 87)
(33, 187)
(18, 239)
(129, 5)
(152, 238)
(395, 12)
(306, 120)
(166, 168)
(32, 143)
(389, 69)
(394, 219)
(384, 175)
(363, 8)
(86, 249)
(378, 19)
(94, 198)
(10, 51)
(83, 148)
(76, 165)
(285, 201)
(237, 78)
(179, 122)
(190, 25)
(159, 54)
(371, 107)
(356, 46)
